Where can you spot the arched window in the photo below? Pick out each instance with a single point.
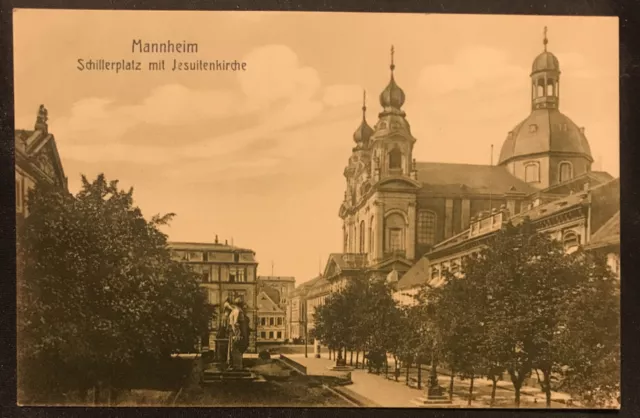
(565, 171)
(361, 237)
(426, 227)
(394, 232)
(532, 173)
(570, 241)
(550, 88)
(540, 90)
(395, 158)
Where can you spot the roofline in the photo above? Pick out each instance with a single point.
(175, 244)
(549, 153)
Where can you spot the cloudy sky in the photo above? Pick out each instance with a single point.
(257, 157)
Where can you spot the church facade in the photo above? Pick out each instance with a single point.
(396, 209)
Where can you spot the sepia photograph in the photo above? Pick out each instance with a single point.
(317, 209)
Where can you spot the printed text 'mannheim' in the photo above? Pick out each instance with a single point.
(138, 45)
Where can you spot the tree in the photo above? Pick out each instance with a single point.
(99, 291)
(527, 294)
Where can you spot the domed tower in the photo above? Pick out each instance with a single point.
(547, 148)
(357, 170)
(392, 142)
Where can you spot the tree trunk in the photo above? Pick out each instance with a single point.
(494, 383)
(357, 357)
(419, 376)
(451, 384)
(408, 367)
(351, 358)
(547, 386)
(470, 390)
(517, 378)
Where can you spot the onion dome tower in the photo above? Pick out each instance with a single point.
(362, 135)
(547, 148)
(392, 142)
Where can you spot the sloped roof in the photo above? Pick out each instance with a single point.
(608, 234)
(417, 275)
(593, 178)
(303, 287)
(274, 294)
(265, 304)
(348, 261)
(468, 179)
(31, 145)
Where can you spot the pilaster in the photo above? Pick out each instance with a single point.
(448, 218)
(465, 213)
(378, 230)
(411, 232)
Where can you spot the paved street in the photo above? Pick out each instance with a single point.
(389, 393)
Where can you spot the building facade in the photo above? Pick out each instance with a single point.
(227, 272)
(396, 209)
(36, 161)
(298, 306)
(569, 220)
(279, 289)
(271, 320)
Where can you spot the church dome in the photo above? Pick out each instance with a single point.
(363, 133)
(392, 95)
(545, 131)
(546, 61)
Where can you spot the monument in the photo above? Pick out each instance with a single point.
(232, 341)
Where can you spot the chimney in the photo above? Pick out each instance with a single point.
(216, 238)
(225, 242)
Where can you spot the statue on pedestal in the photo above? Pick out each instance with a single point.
(237, 325)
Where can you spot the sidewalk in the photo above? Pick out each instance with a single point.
(386, 392)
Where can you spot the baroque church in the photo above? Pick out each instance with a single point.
(396, 209)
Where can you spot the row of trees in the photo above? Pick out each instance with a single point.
(522, 306)
(98, 293)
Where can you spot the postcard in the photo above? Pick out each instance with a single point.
(317, 209)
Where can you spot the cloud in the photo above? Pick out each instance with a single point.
(342, 94)
(472, 68)
(274, 73)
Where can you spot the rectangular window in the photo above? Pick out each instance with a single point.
(195, 256)
(263, 334)
(240, 276)
(279, 334)
(426, 227)
(271, 322)
(232, 274)
(270, 334)
(395, 239)
(263, 321)
(279, 321)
